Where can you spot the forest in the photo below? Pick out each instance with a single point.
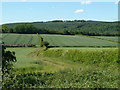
(90, 28)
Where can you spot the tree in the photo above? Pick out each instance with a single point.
(45, 43)
(66, 32)
(20, 29)
(25, 28)
(7, 60)
(4, 28)
(41, 41)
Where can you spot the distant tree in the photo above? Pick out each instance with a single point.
(25, 28)
(66, 32)
(20, 29)
(79, 20)
(65, 27)
(4, 28)
(10, 30)
(57, 21)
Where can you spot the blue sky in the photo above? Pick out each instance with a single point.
(47, 11)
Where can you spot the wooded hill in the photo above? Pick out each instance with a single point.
(92, 28)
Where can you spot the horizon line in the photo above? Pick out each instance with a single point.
(58, 20)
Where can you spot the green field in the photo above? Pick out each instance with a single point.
(26, 60)
(57, 40)
(109, 38)
(65, 68)
(72, 62)
(16, 39)
(26, 63)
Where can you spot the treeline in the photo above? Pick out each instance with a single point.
(91, 28)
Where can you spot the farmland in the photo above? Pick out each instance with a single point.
(57, 40)
(59, 45)
(109, 38)
(65, 68)
(71, 61)
(16, 39)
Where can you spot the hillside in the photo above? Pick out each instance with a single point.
(93, 28)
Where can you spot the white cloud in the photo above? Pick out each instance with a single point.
(79, 11)
(85, 2)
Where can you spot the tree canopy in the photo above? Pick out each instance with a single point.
(92, 28)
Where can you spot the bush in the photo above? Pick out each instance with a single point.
(64, 79)
(7, 60)
(45, 43)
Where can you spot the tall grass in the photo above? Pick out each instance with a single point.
(82, 56)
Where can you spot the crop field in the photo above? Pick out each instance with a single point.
(109, 38)
(67, 40)
(56, 40)
(19, 39)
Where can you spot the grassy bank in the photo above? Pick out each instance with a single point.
(93, 56)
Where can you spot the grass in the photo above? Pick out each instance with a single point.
(26, 64)
(83, 48)
(59, 58)
(68, 40)
(22, 59)
(82, 55)
(57, 40)
(109, 38)
(98, 66)
(65, 68)
(16, 39)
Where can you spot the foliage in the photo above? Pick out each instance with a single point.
(91, 28)
(4, 28)
(7, 60)
(41, 41)
(66, 32)
(45, 43)
(26, 28)
(64, 79)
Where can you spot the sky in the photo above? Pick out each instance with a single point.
(46, 11)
